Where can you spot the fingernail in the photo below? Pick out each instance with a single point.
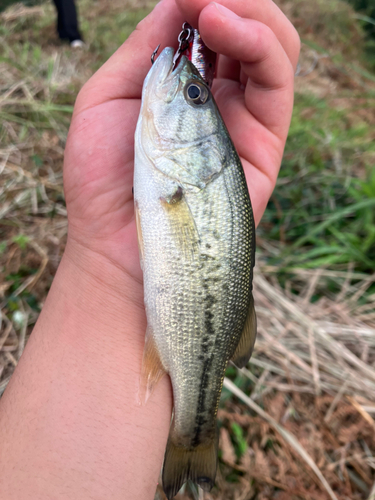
(225, 12)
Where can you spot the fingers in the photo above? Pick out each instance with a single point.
(256, 97)
(122, 76)
(264, 11)
(228, 68)
(265, 67)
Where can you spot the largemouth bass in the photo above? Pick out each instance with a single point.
(197, 243)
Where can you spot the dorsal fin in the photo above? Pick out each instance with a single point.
(245, 346)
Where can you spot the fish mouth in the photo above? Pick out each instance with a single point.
(163, 69)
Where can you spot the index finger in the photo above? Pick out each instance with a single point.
(265, 11)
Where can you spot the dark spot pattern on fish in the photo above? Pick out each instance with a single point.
(202, 414)
(208, 317)
(208, 340)
(206, 256)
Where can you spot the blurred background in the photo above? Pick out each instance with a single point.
(298, 422)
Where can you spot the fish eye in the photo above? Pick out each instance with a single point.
(196, 92)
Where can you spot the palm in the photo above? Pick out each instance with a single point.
(98, 181)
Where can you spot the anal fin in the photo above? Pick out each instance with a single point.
(245, 346)
(139, 234)
(152, 370)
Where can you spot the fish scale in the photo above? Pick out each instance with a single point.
(197, 242)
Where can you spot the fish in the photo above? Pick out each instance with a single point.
(196, 238)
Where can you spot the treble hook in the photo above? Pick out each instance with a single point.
(183, 42)
(154, 54)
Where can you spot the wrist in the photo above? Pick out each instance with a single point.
(76, 387)
(100, 296)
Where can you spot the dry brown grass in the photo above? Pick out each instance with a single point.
(308, 413)
(308, 418)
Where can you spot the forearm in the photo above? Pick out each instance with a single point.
(70, 422)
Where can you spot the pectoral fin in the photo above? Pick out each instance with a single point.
(176, 171)
(152, 368)
(139, 235)
(194, 164)
(245, 346)
(182, 224)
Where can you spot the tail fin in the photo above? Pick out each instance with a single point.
(198, 464)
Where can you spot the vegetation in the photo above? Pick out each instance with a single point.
(367, 8)
(323, 213)
(312, 373)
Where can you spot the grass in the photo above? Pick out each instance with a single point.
(322, 212)
(312, 371)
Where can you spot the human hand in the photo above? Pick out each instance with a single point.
(254, 85)
(70, 426)
(258, 50)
